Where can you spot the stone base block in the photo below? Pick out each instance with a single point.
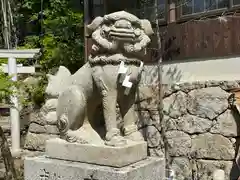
(39, 168)
(93, 154)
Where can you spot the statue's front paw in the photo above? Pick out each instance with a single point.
(132, 133)
(113, 138)
(137, 47)
(95, 48)
(116, 141)
(73, 137)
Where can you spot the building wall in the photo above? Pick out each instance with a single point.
(221, 69)
(216, 37)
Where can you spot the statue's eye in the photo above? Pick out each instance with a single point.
(108, 23)
(135, 25)
(102, 33)
(129, 25)
(105, 28)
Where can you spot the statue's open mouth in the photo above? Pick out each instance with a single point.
(122, 34)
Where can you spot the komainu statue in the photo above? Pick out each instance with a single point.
(110, 77)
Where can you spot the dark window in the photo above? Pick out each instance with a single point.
(119, 5)
(198, 6)
(189, 7)
(98, 8)
(236, 2)
(223, 3)
(149, 11)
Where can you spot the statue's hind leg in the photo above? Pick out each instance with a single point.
(71, 112)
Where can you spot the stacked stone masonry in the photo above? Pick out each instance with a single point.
(201, 126)
(202, 129)
(43, 126)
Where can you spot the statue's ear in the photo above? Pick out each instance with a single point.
(147, 27)
(49, 76)
(94, 25)
(63, 71)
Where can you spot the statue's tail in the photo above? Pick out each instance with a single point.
(58, 82)
(63, 124)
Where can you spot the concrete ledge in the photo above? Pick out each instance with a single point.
(101, 155)
(38, 168)
(193, 70)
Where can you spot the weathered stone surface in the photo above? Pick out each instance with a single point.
(146, 98)
(37, 141)
(51, 118)
(50, 105)
(226, 125)
(101, 75)
(175, 105)
(212, 83)
(93, 154)
(38, 117)
(35, 168)
(152, 135)
(87, 135)
(182, 168)
(156, 151)
(167, 90)
(187, 87)
(44, 117)
(149, 80)
(189, 124)
(205, 169)
(212, 146)
(208, 102)
(218, 174)
(36, 128)
(147, 118)
(226, 85)
(179, 143)
(48, 129)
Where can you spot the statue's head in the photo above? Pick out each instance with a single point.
(120, 31)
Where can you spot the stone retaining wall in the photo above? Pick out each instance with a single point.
(43, 126)
(201, 127)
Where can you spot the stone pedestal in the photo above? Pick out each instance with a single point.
(43, 168)
(94, 154)
(75, 161)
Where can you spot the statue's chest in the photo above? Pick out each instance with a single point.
(115, 76)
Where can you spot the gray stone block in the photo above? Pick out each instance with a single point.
(39, 168)
(93, 154)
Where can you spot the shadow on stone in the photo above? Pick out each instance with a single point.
(235, 171)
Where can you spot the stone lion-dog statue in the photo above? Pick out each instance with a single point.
(110, 76)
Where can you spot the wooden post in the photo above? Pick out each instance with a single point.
(86, 22)
(160, 91)
(105, 2)
(172, 12)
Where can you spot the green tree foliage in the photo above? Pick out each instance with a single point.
(9, 87)
(58, 31)
(5, 86)
(60, 34)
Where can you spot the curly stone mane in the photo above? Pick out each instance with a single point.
(117, 37)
